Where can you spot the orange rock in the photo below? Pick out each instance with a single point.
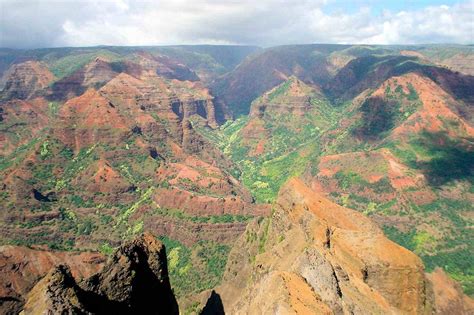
(449, 297)
(329, 255)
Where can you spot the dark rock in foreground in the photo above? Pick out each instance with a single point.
(134, 281)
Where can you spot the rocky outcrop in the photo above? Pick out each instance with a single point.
(313, 256)
(57, 293)
(134, 281)
(293, 97)
(23, 267)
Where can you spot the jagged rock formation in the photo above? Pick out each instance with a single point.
(313, 256)
(134, 281)
(57, 293)
(22, 267)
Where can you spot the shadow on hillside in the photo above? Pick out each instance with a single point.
(451, 159)
(378, 116)
(214, 305)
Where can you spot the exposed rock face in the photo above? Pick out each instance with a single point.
(272, 67)
(99, 71)
(57, 293)
(165, 66)
(88, 118)
(23, 267)
(315, 256)
(134, 281)
(26, 79)
(449, 297)
(24, 120)
(199, 188)
(190, 233)
(125, 103)
(93, 75)
(371, 71)
(291, 98)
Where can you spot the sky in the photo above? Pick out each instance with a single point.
(58, 23)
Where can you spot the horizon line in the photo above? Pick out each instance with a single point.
(239, 45)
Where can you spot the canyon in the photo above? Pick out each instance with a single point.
(300, 179)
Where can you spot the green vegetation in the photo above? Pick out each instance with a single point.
(43, 238)
(106, 249)
(266, 151)
(18, 154)
(181, 215)
(66, 65)
(195, 268)
(457, 263)
(441, 158)
(78, 164)
(291, 143)
(382, 114)
(53, 108)
(355, 182)
(280, 90)
(122, 218)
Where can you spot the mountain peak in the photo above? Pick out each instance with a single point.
(133, 281)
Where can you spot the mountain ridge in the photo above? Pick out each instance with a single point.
(197, 143)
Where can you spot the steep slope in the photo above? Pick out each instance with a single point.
(372, 70)
(93, 169)
(401, 155)
(393, 140)
(23, 267)
(278, 137)
(210, 61)
(25, 80)
(134, 280)
(313, 256)
(99, 71)
(270, 68)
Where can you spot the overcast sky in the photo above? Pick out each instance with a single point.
(52, 23)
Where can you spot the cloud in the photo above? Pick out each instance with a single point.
(34, 23)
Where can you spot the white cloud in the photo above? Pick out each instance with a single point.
(34, 23)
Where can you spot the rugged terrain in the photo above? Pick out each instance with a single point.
(310, 256)
(313, 256)
(134, 280)
(194, 142)
(98, 153)
(388, 134)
